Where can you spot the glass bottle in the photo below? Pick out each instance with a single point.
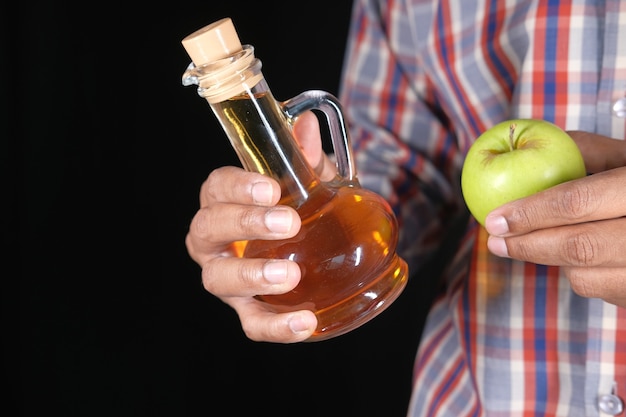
(346, 248)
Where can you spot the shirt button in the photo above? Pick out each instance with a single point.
(611, 404)
(619, 108)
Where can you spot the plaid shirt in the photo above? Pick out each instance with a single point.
(422, 80)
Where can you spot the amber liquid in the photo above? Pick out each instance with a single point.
(347, 241)
(346, 252)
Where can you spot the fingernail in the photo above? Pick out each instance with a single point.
(296, 324)
(496, 225)
(497, 246)
(262, 192)
(275, 272)
(278, 220)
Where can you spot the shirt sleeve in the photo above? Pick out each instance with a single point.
(405, 148)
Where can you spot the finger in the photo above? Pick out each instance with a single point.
(307, 132)
(213, 230)
(261, 325)
(606, 283)
(235, 185)
(594, 244)
(241, 277)
(600, 152)
(595, 197)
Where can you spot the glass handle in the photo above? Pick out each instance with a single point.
(331, 108)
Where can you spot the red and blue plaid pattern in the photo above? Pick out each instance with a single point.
(422, 80)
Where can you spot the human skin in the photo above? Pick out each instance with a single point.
(238, 205)
(579, 225)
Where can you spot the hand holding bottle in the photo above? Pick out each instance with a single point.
(345, 241)
(237, 205)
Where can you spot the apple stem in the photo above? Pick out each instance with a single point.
(511, 134)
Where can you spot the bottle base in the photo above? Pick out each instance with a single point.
(361, 307)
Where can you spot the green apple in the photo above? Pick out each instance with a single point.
(514, 159)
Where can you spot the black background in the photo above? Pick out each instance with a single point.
(103, 153)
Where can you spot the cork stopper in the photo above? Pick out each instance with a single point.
(214, 41)
(223, 67)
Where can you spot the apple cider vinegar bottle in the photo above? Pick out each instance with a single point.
(346, 248)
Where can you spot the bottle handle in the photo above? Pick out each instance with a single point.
(330, 106)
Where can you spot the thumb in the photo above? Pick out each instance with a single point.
(307, 132)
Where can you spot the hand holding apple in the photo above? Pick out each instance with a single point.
(579, 225)
(515, 159)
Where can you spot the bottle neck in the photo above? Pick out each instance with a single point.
(259, 130)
